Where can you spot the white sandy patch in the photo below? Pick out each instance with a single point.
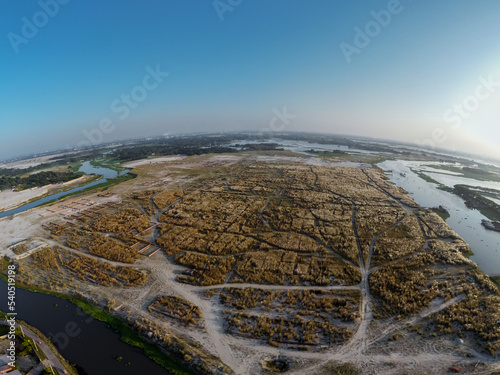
(33, 246)
(227, 158)
(18, 228)
(26, 163)
(310, 161)
(11, 199)
(136, 163)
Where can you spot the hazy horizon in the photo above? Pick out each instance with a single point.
(84, 73)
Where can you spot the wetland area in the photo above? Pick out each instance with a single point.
(310, 258)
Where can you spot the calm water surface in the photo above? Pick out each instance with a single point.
(466, 222)
(96, 346)
(87, 168)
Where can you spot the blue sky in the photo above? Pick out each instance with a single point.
(231, 66)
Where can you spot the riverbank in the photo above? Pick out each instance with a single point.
(127, 333)
(47, 348)
(113, 164)
(475, 200)
(464, 220)
(496, 281)
(429, 179)
(10, 200)
(100, 187)
(470, 173)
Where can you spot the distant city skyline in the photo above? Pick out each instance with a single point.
(79, 73)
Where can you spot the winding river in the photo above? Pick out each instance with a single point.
(87, 168)
(90, 344)
(96, 346)
(466, 222)
(95, 349)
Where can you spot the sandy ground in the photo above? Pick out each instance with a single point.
(366, 349)
(310, 161)
(10, 199)
(28, 224)
(26, 163)
(20, 227)
(136, 163)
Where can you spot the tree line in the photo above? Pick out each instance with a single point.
(37, 179)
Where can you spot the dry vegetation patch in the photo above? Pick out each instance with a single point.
(435, 276)
(343, 306)
(478, 312)
(297, 330)
(434, 226)
(209, 270)
(20, 248)
(144, 199)
(402, 240)
(166, 198)
(379, 178)
(46, 259)
(100, 272)
(122, 221)
(177, 308)
(286, 267)
(373, 219)
(55, 268)
(177, 239)
(292, 236)
(98, 244)
(404, 288)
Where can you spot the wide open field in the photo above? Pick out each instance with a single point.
(239, 258)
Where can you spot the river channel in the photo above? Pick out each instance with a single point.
(96, 348)
(87, 168)
(92, 345)
(466, 222)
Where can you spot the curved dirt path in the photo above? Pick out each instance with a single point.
(243, 355)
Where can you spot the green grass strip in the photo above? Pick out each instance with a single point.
(102, 186)
(128, 335)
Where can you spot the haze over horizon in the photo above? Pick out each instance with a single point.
(82, 72)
